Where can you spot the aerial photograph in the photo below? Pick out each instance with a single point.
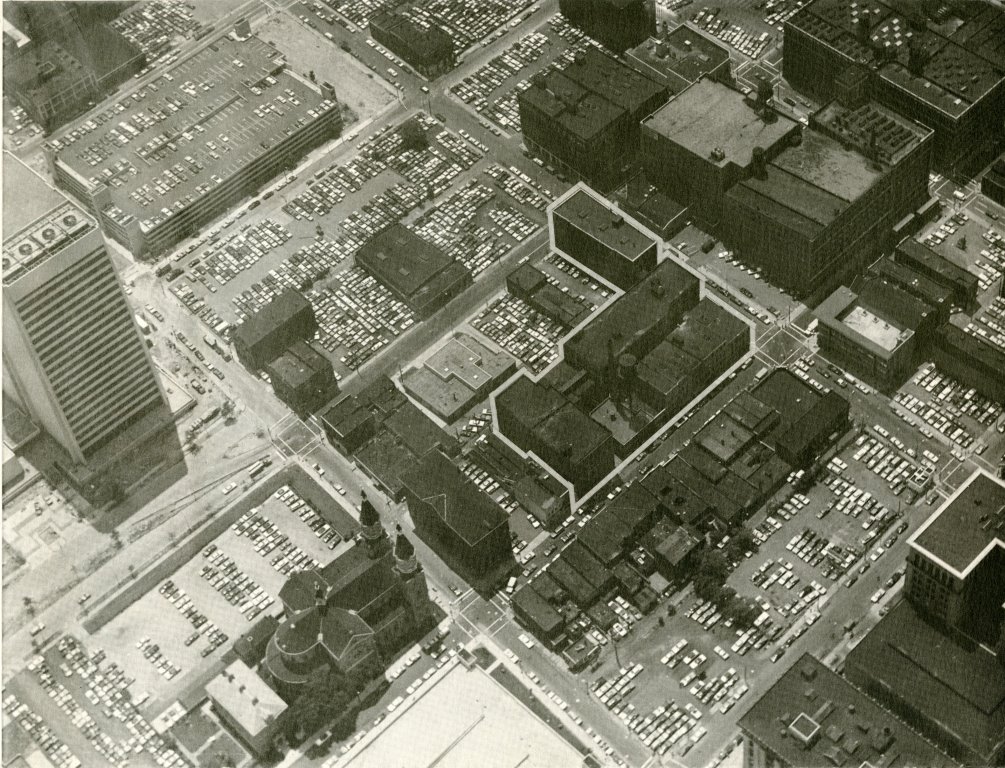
(635, 370)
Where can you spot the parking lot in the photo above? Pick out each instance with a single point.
(172, 630)
(466, 21)
(491, 90)
(937, 404)
(102, 720)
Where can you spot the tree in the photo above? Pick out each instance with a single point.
(324, 698)
(311, 76)
(29, 605)
(413, 136)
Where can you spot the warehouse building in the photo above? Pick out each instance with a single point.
(807, 419)
(595, 233)
(348, 425)
(823, 208)
(265, 335)
(681, 57)
(804, 206)
(529, 284)
(935, 659)
(585, 119)
(618, 24)
(705, 139)
(993, 182)
(62, 58)
(929, 291)
(426, 47)
(876, 332)
(414, 270)
(947, 74)
(169, 159)
(811, 716)
(459, 374)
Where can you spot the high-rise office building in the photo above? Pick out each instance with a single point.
(72, 354)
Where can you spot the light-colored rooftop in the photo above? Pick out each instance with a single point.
(709, 116)
(467, 719)
(874, 328)
(244, 695)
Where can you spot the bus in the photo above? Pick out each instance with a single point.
(259, 467)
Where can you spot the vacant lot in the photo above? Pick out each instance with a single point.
(307, 50)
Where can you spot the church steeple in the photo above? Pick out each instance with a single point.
(404, 553)
(374, 535)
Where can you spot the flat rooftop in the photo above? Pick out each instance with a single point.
(462, 719)
(894, 135)
(823, 163)
(466, 359)
(610, 79)
(960, 69)
(605, 224)
(202, 121)
(812, 716)
(958, 684)
(875, 329)
(633, 314)
(38, 220)
(970, 523)
(711, 116)
(686, 52)
(240, 692)
(401, 259)
(580, 111)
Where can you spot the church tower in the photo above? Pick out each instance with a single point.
(374, 536)
(410, 572)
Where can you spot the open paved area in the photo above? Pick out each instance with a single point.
(490, 729)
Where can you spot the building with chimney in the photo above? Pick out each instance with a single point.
(248, 706)
(352, 615)
(679, 57)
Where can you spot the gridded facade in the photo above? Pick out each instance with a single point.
(71, 350)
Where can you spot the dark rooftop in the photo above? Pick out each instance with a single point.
(979, 353)
(418, 432)
(426, 40)
(298, 365)
(970, 523)
(604, 223)
(276, 313)
(537, 609)
(949, 271)
(581, 112)
(961, 685)
(612, 80)
(634, 314)
(572, 432)
(706, 327)
(811, 716)
(710, 116)
(914, 282)
(784, 393)
(958, 71)
(402, 260)
(459, 503)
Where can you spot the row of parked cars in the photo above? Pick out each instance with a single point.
(521, 330)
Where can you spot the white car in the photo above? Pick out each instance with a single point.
(526, 640)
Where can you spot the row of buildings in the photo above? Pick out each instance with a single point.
(882, 325)
(638, 361)
(659, 523)
(926, 685)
